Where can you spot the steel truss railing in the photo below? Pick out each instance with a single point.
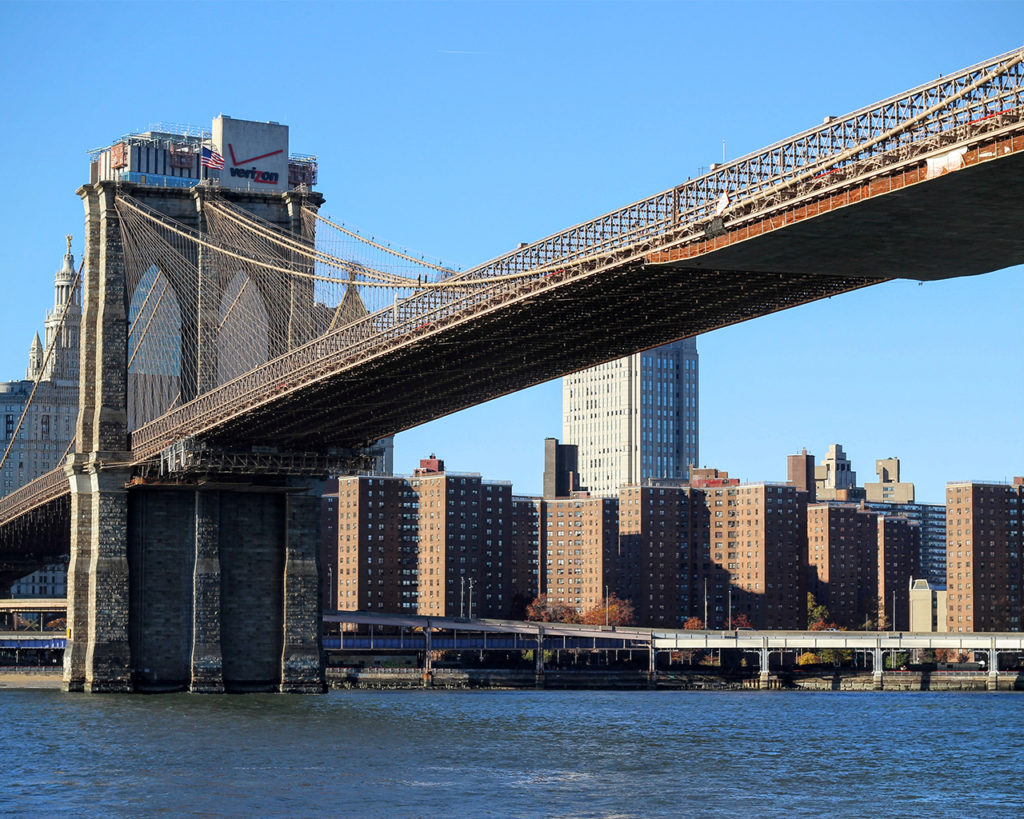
(45, 488)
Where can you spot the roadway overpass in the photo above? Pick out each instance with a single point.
(420, 631)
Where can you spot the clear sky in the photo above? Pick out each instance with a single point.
(462, 129)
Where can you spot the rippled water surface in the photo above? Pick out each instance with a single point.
(498, 753)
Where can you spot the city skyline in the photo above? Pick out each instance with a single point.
(928, 373)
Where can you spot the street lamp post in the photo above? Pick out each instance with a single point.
(606, 605)
(730, 608)
(462, 596)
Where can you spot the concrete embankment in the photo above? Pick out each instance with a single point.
(517, 678)
(390, 678)
(450, 678)
(898, 681)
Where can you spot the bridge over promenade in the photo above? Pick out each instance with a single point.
(232, 358)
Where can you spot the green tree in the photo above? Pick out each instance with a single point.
(818, 617)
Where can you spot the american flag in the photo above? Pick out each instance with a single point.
(212, 159)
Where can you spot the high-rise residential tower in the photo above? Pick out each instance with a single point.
(635, 418)
(984, 541)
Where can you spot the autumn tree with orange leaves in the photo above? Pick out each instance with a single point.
(546, 610)
(619, 613)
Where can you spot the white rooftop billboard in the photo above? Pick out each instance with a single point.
(255, 154)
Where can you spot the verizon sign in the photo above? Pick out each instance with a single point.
(255, 154)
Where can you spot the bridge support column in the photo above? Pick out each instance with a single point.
(207, 662)
(764, 673)
(428, 663)
(98, 657)
(877, 669)
(538, 660)
(993, 668)
(302, 668)
(78, 576)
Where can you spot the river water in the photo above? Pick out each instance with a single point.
(513, 753)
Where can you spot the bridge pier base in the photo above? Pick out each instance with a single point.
(993, 668)
(224, 585)
(207, 672)
(302, 669)
(97, 658)
(764, 680)
(538, 660)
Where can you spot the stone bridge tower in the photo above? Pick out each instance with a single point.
(206, 580)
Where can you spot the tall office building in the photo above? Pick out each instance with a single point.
(48, 426)
(634, 419)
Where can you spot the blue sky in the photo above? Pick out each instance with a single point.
(461, 129)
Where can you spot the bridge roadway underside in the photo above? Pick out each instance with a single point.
(964, 223)
(38, 538)
(527, 342)
(961, 224)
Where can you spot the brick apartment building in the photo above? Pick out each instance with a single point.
(436, 543)
(451, 543)
(860, 564)
(369, 545)
(842, 561)
(663, 528)
(579, 550)
(758, 553)
(984, 542)
(525, 552)
(899, 550)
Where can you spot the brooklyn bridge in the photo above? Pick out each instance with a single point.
(235, 350)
